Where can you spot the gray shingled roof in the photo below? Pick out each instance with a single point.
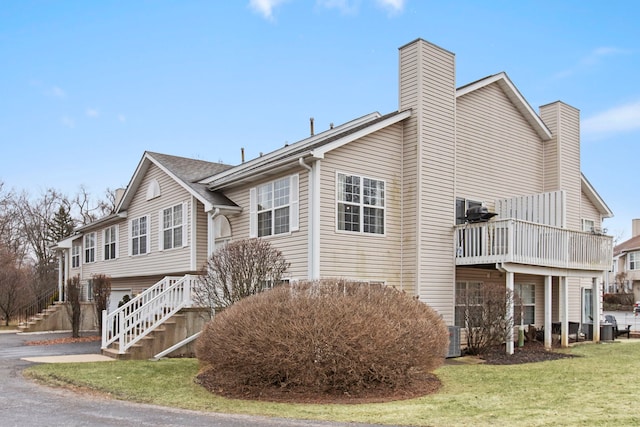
(300, 147)
(627, 246)
(190, 171)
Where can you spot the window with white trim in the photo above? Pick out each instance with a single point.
(172, 232)
(274, 207)
(525, 304)
(462, 205)
(90, 247)
(588, 225)
(634, 260)
(75, 256)
(360, 204)
(110, 239)
(469, 296)
(139, 231)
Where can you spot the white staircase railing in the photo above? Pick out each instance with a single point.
(137, 318)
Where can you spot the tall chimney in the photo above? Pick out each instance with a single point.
(635, 227)
(311, 125)
(242, 154)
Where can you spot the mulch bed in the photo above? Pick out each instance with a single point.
(64, 340)
(532, 351)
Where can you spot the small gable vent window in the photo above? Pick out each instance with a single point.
(153, 190)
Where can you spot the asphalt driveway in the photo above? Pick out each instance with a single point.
(25, 403)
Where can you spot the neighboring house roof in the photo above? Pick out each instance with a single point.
(187, 173)
(595, 198)
(515, 96)
(633, 244)
(316, 146)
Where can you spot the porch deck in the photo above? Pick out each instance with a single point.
(524, 242)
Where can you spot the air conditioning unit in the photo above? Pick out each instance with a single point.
(454, 342)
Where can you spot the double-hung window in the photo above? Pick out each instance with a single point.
(173, 224)
(634, 260)
(525, 304)
(75, 256)
(469, 304)
(274, 207)
(110, 242)
(139, 240)
(90, 247)
(360, 204)
(588, 225)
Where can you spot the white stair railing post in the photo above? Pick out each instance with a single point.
(104, 328)
(121, 332)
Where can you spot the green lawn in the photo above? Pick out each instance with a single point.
(598, 389)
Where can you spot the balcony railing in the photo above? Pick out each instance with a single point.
(524, 242)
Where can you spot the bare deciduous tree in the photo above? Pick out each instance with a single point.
(12, 285)
(237, 270)
(485, 314)
(73, 304)
(101, 295)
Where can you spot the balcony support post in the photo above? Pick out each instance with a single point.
(510, 288)
(564, 312)
(595, 295)
(547, 311)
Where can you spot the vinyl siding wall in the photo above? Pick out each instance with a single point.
(408, 99)
(427, 85)
(202, 237)
(364, 256)
(589, 211)
(499, 155)
(564, 123)
(294, 244)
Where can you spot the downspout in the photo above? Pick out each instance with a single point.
(211, 242)
(313, 241)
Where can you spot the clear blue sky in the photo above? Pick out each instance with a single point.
(86, 87)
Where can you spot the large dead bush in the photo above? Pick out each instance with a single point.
(328, 338)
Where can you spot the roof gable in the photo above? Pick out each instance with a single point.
(514, 95)
(186, 172)
(595, 198)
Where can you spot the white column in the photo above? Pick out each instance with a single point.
(510, 276)
(564, 312)
(595, 298)
(60, 273)
(547, 311)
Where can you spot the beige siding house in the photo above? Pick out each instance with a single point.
(387, 199)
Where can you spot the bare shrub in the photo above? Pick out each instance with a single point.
(485, 315)
(237, 270)
(101, 295)
(73, 304)
(329, 337)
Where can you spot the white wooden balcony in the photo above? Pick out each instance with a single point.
(524, 242)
